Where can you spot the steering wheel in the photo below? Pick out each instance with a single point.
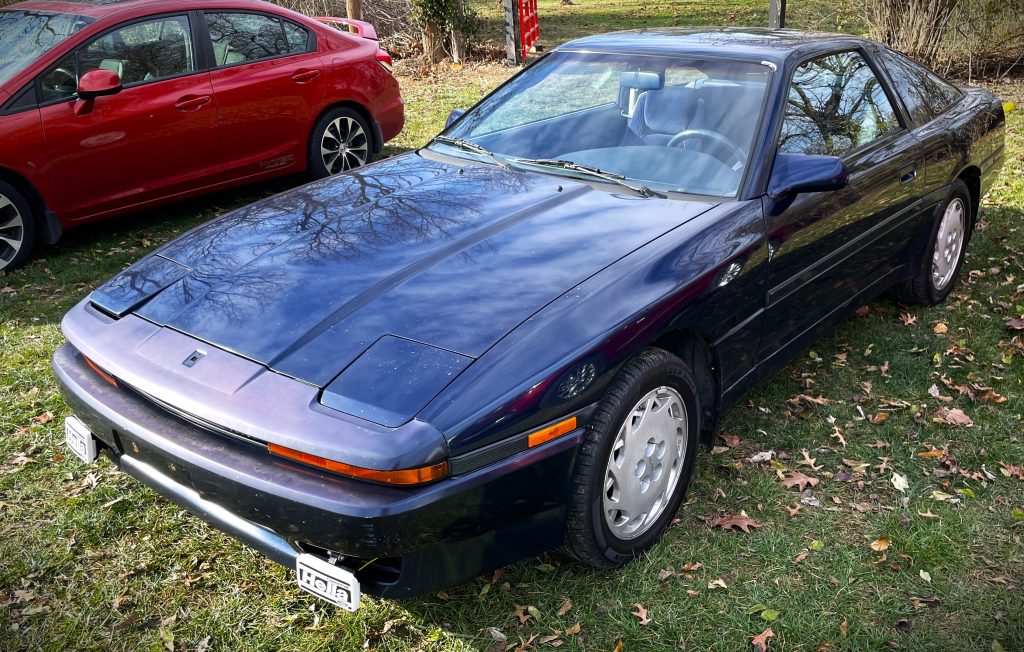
(67, 84)
(722, 145)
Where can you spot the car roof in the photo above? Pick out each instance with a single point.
(748, 43)
(104, 8)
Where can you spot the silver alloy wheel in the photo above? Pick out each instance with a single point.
(948, 243)
(645, 463)
(12, 231)
(344, 145)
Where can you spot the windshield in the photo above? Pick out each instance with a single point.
(668, 123)
(26, 35)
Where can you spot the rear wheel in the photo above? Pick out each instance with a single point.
(340, 142)
(941, 263)
(17, 228)
(635, 461)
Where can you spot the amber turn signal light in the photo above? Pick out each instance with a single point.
(402, 477)
(104, 375)
(545, 435)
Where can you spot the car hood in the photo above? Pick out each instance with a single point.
(412, 248)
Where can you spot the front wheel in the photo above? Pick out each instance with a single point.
(635, 461)
(340, 141)
(940, 265)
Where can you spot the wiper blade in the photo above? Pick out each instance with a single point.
(564, 164)
(470, 146)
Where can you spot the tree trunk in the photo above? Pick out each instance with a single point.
(433, 47)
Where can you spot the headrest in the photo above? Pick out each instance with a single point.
(669, 110)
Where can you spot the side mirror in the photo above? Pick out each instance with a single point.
(453, 116)
(793, 174)
(96, 83)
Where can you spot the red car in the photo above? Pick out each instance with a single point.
(110, 106)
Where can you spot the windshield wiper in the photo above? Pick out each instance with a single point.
(563, 164)
(470, 146)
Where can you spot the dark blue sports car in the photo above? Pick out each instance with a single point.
(516, 338)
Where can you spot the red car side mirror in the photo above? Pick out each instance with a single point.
(96, 83)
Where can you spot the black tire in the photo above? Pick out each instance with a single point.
(359, 149)
(922, 289)
(589, 538)
(17, 224)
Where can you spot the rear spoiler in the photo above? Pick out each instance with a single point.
(363, 29)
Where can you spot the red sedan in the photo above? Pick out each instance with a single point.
(110, 106)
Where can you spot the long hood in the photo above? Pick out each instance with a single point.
(454, 257)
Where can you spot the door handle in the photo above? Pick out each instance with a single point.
(192, 102)
(906, 176)
(303, 76)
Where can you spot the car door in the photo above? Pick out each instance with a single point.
(155, 138)
(269, 84)
(828, 248)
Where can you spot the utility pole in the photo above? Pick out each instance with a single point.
(354, 9)
(776, 14)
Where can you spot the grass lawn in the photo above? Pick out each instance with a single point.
(91, 560)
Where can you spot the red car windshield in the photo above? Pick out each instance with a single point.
(26, 35)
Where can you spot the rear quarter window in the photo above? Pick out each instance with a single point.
(924, 93)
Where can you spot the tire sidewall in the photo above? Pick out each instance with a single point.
(29, 226)
(958, 191)
(673, 374)
(314, 159)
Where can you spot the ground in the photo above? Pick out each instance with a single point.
(907, 537)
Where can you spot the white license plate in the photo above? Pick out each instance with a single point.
(327, 581)
(80, 439)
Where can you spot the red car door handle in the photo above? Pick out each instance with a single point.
(192, 102)
(303, 76)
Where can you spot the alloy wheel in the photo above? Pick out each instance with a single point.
(949, 242)
(344, 145)
(645, 463)
(12, 231)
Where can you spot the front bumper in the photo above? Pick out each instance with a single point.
(422, 539)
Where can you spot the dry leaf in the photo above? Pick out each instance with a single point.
(741, 522)
(572, 630)
(566, 606)
(760, 642)
(799, 480)
(940, 328)
(879, 418)
(900, 482)
(881, 544)
(802, 556)
(717, 584)
(641, 613)
(45, 417)
(952, 417)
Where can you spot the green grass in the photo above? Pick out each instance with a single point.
(91, 560)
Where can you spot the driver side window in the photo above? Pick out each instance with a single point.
(835, 105)
(59, 82)
(142, 52)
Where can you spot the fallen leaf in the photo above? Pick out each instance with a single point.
(642, 614)
(799, 480)
(941, 496)
(572, 630)
(1014, 323)
(899, 482)
(760, 642)
(717, 584)
(566, 606)
(771, 615)
(925, 575)
(935, 452)
(45, 417)
(618, 646)
(940, 328)
(881, 544)
(663, 575)
(879, 418)
(741, 522)
(908, 319)
(952, 416)
(808, 460)
(801, 556)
